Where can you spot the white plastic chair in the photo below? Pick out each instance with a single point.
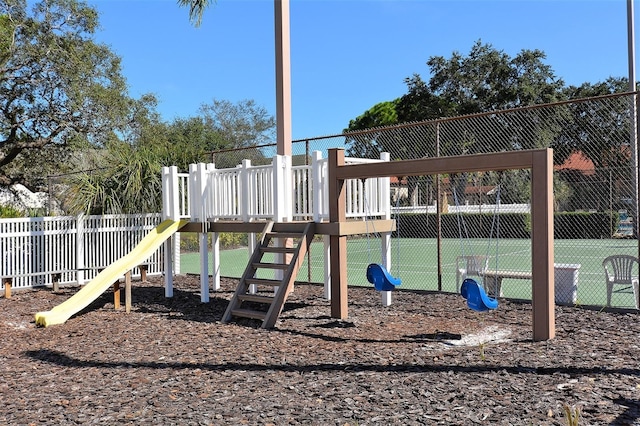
(470, 266)
(621, 269)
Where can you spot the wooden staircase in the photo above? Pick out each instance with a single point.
(267, 301)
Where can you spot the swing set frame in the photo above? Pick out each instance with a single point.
(540, 161)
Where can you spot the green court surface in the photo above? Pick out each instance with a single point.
(417, 263)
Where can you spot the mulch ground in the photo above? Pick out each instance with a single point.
(427, 359)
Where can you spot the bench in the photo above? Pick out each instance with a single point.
(565, 277)
(493, 279)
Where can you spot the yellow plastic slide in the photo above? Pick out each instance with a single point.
(91, 291)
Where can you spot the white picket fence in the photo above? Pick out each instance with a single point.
(32, 248)
(465, 208)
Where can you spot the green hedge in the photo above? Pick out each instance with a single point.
(584, 225)
(512, 225)
(189, 240)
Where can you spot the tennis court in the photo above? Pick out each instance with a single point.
(416, 264)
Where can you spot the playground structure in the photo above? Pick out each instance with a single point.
(333, 202)
(246, 199)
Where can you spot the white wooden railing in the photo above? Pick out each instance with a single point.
(77, 246)
(248, 192)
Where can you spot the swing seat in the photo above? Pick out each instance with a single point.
(380, 278)
(477, 298)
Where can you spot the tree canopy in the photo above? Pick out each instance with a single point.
(58, 88)
(238, 125)
(487, 79)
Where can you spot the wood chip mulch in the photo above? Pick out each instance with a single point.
(427, 359)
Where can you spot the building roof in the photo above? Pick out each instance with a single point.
(579, 162)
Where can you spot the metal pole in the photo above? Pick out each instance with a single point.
(633, 119)
(611, 230)
(438, 213)
(49, 195)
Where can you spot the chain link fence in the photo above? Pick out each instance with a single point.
(453, 226)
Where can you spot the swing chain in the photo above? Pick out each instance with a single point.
(495, 225)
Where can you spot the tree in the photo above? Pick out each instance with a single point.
(58, 88)
(196, 9)
(131, 183)
(239, 125)
(382, 114)
(420, 103)
(371, 145)
(488, 79)
(600, 130)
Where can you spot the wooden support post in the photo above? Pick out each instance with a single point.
(7, 287)
(127, 292)
(143, 272)
(543, 291)
(55, 279)
(116, 295)
(337, 243)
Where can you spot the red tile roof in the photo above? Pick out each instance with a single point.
(579, 162)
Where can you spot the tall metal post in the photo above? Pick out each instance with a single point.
(438, 212)
(633, 119)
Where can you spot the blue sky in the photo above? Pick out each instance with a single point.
(346, 55)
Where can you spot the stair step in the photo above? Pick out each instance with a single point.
(255, 298)
(270, 265)
(248, 313)
(284, 235)
(263, 281)
(278, 249)
(265, 256)
(298, 227)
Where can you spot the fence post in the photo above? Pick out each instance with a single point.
(80, 230)
(317, 186)
(282, 199)
(213, 191)
(283, 190)
(199, 192)
(170, 193)
(7, 287)
(318, 192)
(170, 210)
(195, 192)
(384, 201)
(246, 194)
